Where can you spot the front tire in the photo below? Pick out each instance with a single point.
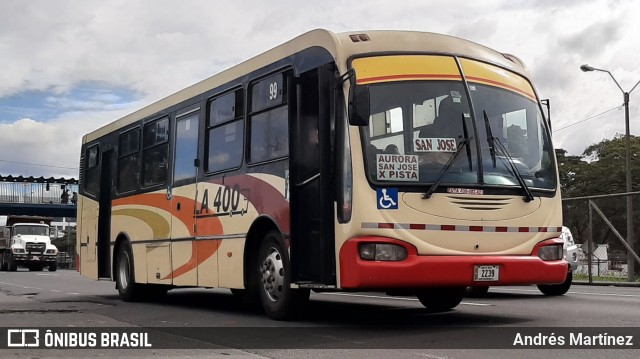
(441, 299)
(557, 289)
(125, 277)
(53, 267)
(12, 266)
(279, 300)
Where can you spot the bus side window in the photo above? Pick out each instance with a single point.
(225, 132)
(92, 170)
(269, 135)
(269, 120)
(128, 160)
(156, 150)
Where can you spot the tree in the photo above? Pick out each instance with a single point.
(600, 170)
(67, 243)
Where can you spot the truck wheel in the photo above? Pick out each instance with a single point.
(125, 278)
(53, 267)
(12, 266)
(442, 298)
(557, 289)
(3, 262)
(279, 300)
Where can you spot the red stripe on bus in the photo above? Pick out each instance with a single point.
(447, 227)
(418, 226)
(499, 84)
(385, 225)
(476, 228)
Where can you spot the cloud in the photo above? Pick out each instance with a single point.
(70, 67)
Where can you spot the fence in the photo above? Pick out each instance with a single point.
(26, 192)
(598, 225)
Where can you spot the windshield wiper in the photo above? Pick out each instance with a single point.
(465, 132)
(505, 154)
(446, 168)
(490, 138)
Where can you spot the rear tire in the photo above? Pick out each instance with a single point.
(441, 299)
(478, 291)
(557, 289)
(279, 300)
(125, 277)
(3, 262)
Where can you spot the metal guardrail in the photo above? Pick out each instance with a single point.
(606, 256)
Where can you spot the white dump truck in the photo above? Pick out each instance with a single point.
(25, 242)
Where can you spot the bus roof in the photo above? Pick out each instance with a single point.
(341, 46)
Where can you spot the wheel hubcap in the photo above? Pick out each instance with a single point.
(123, 271)
(272, 270)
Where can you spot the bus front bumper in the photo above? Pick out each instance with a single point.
(419, 271)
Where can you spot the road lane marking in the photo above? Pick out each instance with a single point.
(55, 290)
(15, 285)
(398, 298)
(21, 286)
(573, 292)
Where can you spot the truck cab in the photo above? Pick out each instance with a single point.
(26, 242)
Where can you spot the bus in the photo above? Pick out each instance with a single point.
(408, 163)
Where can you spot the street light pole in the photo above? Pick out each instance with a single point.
(627, 144)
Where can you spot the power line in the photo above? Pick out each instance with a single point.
(40, 165)
(588, 118)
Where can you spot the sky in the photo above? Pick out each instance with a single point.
(69, 67)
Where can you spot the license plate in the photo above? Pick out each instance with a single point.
(35, 258)
(486, 273)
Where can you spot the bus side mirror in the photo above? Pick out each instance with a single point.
(359, 106)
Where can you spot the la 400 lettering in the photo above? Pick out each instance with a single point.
(226, 202)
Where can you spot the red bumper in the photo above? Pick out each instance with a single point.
(423, 271)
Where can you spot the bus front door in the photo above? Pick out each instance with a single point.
(312, 220)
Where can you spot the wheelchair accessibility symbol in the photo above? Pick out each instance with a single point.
(387, 198)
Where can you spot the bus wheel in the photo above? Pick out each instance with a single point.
(478, 291)
(441, 298)
(557, 289)
(279, 300)
(125, 278)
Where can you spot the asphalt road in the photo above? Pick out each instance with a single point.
(211, 323)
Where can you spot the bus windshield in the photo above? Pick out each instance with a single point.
(491, 124)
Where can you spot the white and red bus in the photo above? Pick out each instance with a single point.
(405, 162)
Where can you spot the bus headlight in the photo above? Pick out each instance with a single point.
(551, 252)
(382, 252)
